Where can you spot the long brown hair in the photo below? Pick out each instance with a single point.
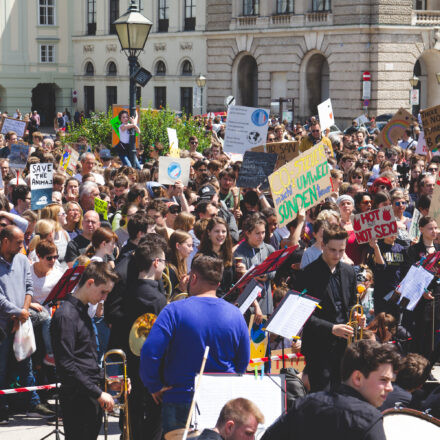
(383, 325)
(176, 261)
(99, 236)
(206, 243)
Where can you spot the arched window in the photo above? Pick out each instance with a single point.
(112, 69)
(161, 69)
(187, 68)
(90, 70)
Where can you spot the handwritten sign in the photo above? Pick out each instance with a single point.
(255, 169)
(68, 160)
(101, 207)
(376, 224)
(394, 129)
(246, 128)
(173, 142)
(414, 230)
(41, 184)
(286, 151)
(301, 183)
(18, 156)
(16, 125)
(434, 208)
(431, 126)
(172, 169)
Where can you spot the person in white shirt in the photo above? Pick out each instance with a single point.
(88, 162)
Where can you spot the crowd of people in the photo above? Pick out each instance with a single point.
(175, 251)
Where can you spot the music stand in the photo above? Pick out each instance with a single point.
(57, 431)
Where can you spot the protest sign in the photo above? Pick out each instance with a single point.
(101, 207)
(41, 184)
(301, 183)
(173, 142)
(172, 169)
(434, 208)
(394, 129)
(18, 156)
(256, 168)
(286, 151)
(431, 126)
(414, 231)
(376, 224)
(116, 108)
(325, 113)
(68, 161)
(246, 128)
(16, 125)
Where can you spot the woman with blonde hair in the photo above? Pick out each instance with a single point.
(184, 221)
(180, 248)
(44, 230)
(56, 212)
(74, 218)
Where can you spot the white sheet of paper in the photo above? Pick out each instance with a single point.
(414, 284)
(292, 316)
(173, 141)
(325, 113)
(250, 299)
(216, 389)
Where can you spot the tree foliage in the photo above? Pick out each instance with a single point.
(96, 129)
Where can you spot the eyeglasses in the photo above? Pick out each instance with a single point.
(383, 187)
(51, 257)
(162, 259)
(315, 131)
(3, 225)
(432, 170)
(401, 203)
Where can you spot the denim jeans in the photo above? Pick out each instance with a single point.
(128, 158)
(42, 318)
(174, 415)
(23, 370)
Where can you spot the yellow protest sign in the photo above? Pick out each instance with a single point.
(101, 207)
(301, 183)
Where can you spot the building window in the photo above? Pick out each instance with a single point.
(47, 53)
(163, 16)
(46, 15)
(114, 15)
(89, 70)
(419, 5)
(251, 7)
(285, 6)
(112, 69)
(91, 17)
(187, 68)
(186, 99)
(89, 99)
(112, 95)
(160, 97)
(190, 15)
(321, 5)
(161, 69)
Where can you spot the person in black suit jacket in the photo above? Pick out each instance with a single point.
(326, 332)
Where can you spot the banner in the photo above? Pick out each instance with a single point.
(431, 126)
(101, 207)
(172, 169)
(301, 183)
(394, 129)
(376, 224)
(326, 116)
(246, 128)
(255, 169)
(41, 184)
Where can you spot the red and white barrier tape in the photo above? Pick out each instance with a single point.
(27, 389)
(276, 358)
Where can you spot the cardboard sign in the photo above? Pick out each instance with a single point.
(16, 125)
(172, 169)
(116, 108)
(68, 161)
(434, 208)
(256, 168)
(18, 156)
(301, 183)
(376, 224)
(246, 128)
(173, 142)
(41, 184)
(431, 126)
(258, 341)
(286, 151)
(101, 207)
(325, 113)
(395, 128)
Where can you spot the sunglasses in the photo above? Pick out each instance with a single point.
(192, 142)
(174, 209)
(366, 202)
(432, 170)
(3, 225)
(316, 131)
(51, 257)
(400, 203)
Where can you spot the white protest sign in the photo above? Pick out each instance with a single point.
(414, 231)
(362, 119)
(172, 169)
(376, 224)
(422, 148)
(16, 125)
(325, 113)
(41, 184)
(246, 128)
(173, 141)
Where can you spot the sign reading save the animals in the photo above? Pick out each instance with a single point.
(376, 224)
(301, 183)
(41, 184)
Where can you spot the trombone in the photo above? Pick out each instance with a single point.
(353, 322)
(108, 380)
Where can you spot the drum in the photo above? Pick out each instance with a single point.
(408, 424)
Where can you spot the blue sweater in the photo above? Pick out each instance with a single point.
(179, 336)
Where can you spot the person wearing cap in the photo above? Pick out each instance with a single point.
(105, 157)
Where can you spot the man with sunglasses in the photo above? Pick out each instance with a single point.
(315, 137)
(193, 144)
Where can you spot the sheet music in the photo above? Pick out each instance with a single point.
(291, 317)
(250, 299)
(414, 284)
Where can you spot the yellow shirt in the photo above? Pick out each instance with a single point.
(306, 144)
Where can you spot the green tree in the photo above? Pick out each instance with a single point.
(97, 129)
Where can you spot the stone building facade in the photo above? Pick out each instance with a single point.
(310, 50)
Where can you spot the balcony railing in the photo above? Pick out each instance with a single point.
(281, 20)
(247, 21)
(426, 18)
(317, 17)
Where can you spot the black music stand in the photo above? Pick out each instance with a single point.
(57, 431)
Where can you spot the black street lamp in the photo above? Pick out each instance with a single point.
(133, 30)
(201, 82)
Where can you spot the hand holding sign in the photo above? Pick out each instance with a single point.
(376, 224)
